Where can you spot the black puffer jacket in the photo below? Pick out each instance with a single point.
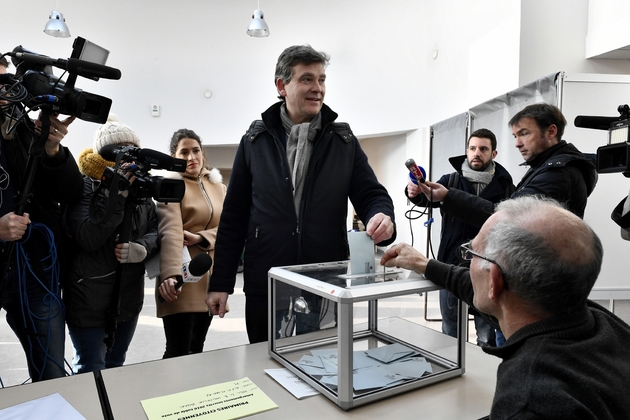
(561, 172)
(259, 204)
(89, 281)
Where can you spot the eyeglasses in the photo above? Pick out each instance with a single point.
(466, 253)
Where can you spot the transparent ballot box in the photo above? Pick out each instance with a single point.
(357, 338)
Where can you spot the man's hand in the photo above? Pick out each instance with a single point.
(405, 256)
(433, 191)
(412, 190)
(58, 130)
(12, 226)
(380, 228)
(217, 302)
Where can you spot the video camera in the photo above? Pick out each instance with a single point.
(615, 156)
(138, 162)
(34, 87)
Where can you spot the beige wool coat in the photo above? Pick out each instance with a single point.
(199, 212)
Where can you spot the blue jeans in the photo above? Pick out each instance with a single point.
(448, 309)
(90, 351)
(36, 314)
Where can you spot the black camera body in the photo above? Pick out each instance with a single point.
(36, 87)
(615, 156)
(44, 87)
(138, 162)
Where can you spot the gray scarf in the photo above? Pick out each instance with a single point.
(479, 179)
(299, 147)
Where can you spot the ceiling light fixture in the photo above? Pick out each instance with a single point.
(56, 26)
(258, 27)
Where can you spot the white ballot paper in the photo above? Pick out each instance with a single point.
(51, 407)
(292, 383)
(362, 256)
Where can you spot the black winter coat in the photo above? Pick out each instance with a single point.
(454, 231)
(57, 183)
(561, 172)
(569, 366)
(259, 213)
(89, 281)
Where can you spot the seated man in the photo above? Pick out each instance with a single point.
(533, 265)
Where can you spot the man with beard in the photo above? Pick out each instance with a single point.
(476, 173)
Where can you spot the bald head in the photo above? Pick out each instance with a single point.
(549, 256)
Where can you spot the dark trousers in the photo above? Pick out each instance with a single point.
(185, 333)
(257, 318)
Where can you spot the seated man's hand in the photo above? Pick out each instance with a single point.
(405, 256)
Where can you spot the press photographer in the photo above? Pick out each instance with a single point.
(37, 176)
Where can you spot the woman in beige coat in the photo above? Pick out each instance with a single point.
(192, 223)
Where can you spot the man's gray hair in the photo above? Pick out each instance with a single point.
(297, 54)
(531, 267)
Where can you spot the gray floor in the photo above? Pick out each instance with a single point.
(148, 342)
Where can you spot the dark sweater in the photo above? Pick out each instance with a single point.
(572, 366)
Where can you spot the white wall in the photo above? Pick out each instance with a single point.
(382, 77)
(553, 38)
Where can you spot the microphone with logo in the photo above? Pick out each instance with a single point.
(193, 270)
(416, 173)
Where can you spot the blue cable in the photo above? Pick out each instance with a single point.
(52, 299)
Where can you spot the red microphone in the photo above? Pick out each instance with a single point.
(417, 172)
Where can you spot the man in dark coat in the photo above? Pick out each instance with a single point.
(533, 266)
(287, 201)
(476, 173)
(557, 169)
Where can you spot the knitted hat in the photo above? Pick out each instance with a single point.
(113, 132)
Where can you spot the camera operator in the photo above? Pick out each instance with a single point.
(30, 289)
(557, 169)
(90, 286)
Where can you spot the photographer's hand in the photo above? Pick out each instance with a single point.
(58, 130)
(12, 226)
(130, 252)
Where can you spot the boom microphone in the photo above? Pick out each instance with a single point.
(72, 65)
(417, 172)
(597, 123)
(193, 270)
